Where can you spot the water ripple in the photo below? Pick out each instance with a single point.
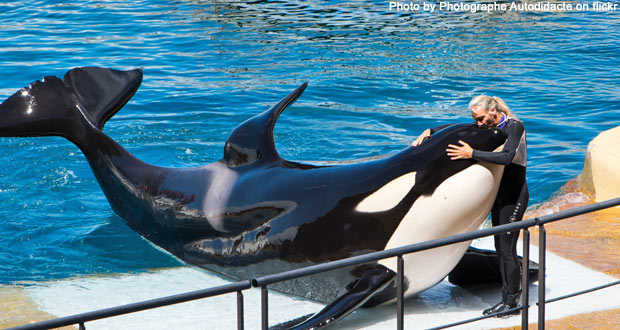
(377, 78)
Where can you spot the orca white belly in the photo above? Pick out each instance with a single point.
(459, 204)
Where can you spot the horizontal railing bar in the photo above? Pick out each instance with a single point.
(136, 307)
(600, 287)
(311, 270)
(478, 318)
(374, 256)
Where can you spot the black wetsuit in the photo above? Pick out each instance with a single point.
(512, 198)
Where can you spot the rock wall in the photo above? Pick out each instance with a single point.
(601, 170)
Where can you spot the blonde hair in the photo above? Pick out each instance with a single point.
(489, 102)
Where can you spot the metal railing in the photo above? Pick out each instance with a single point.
(264, 281)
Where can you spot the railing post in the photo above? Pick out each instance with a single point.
(400, 306)
(541, 275)
(525, 279)
(240, 310)
(81, 319)
(264, 308)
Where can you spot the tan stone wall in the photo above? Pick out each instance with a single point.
(601, 170)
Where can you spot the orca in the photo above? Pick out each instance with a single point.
(253, 213)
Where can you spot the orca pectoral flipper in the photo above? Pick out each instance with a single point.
(373, 280)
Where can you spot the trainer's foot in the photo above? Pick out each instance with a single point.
(499, 308)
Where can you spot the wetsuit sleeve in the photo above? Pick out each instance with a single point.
(505, 156)
(439, 128)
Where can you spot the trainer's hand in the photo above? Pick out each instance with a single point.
(425, 135)
(464, 151)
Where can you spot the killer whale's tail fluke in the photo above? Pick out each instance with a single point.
(52, 107)
(103, 92)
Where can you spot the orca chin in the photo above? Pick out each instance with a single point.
(253, 213)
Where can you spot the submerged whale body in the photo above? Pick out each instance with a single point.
(254, 213)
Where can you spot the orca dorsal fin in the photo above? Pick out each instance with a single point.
(102, 92)
(252, 140)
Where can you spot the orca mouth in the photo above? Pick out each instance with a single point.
(484, 126)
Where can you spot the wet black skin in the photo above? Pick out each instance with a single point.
(250, 213)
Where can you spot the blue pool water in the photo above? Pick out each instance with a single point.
(377, 78)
